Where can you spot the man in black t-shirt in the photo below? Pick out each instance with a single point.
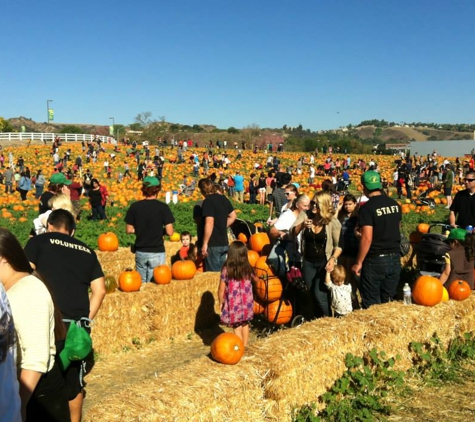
(71, 268)
(217, 215)
(462, 210)
(149, 220)
(378, 261)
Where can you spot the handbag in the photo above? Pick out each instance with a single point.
(405, 246)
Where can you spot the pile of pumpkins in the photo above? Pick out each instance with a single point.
(268, 287)
(131, 281)
(428, 291)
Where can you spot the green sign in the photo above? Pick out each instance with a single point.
(50, 114)
(111, 130)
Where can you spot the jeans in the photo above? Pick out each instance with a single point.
(98, 213)
(38, 191)
(216, 258)
(8, 187)
(146, 262)
(314, 276)
(380, 279)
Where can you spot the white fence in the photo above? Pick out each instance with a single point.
(50, 137)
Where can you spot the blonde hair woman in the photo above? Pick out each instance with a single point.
(320, 235)
(56, 202)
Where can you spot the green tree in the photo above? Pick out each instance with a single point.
(5, 125)
(232, 130)
(71, 129)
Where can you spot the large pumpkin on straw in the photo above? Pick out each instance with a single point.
(162, 274)
(427, 290)
(183, 270)
(108, 242)
(227, 348)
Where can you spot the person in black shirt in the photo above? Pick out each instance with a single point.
(462, 210)
(378, 261)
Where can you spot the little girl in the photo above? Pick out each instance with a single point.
(235, 291)
(341, 292)
(460, 259)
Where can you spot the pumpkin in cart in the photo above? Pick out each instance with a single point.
(258, 241)
(227, 348)
(459, 290)
(427, 290)
(183, 270)
(252, 256)
(268, 289)
(162, 274)
(130, 281)
(108, 242)
(258, 308)
(278, 316)
(261, 268)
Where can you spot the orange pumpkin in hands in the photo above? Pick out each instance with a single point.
(227, 348)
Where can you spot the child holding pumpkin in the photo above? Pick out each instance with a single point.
(235, 291)
(459, 261)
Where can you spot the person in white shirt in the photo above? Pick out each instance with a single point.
(341, 292)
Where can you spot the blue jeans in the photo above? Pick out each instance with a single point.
(39, 191)
(98, 213)
(146, 262)
(216, 258)
(314, 276)
(379, 279)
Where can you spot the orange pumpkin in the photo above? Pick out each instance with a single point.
(242, 237)
(423, 227)
(268, 289)
(459, 290)
(162, 274)
(279, 316)
(130, 281)
(227, 348)
(108, 242)
(183, 270)
(110, 283)
(427, 290)
(261, 268)
(258, 308)
(258, 241)
(252, 256)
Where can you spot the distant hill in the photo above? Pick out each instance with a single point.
(32, 126)
(407, 134)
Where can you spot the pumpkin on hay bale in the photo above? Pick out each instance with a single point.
(108, 242)
(427, 291)
(162, 274)
(459, 290)
(110, 283)
(227, 348)
(183, 270)
(130, 281)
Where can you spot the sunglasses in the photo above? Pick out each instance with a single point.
(469, 180)
(288, 193)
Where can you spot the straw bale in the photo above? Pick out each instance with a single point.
(201, 390)
(155, 313)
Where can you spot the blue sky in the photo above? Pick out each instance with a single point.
(318, 63)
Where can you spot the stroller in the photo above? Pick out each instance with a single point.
(188, 190)
(433, 247)
(424, 199)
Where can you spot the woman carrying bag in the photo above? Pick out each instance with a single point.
(320, 236)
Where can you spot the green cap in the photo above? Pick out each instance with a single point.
(60, 178)
(371, 180)
(457, 234)
(151, 181)
(77, 346)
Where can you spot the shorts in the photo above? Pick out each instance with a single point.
(262, 190)
(448, 191)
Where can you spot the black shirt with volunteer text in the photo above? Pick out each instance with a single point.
(68, 266)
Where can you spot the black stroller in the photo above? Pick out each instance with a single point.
(431, 251)
(424, 199)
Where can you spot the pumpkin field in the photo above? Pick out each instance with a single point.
(276, 374)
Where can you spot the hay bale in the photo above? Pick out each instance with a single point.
(155, 313)
(199, 391)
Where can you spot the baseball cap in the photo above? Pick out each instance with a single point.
(457, 234)
(371, 180)
(60, 178)
(151, 181)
